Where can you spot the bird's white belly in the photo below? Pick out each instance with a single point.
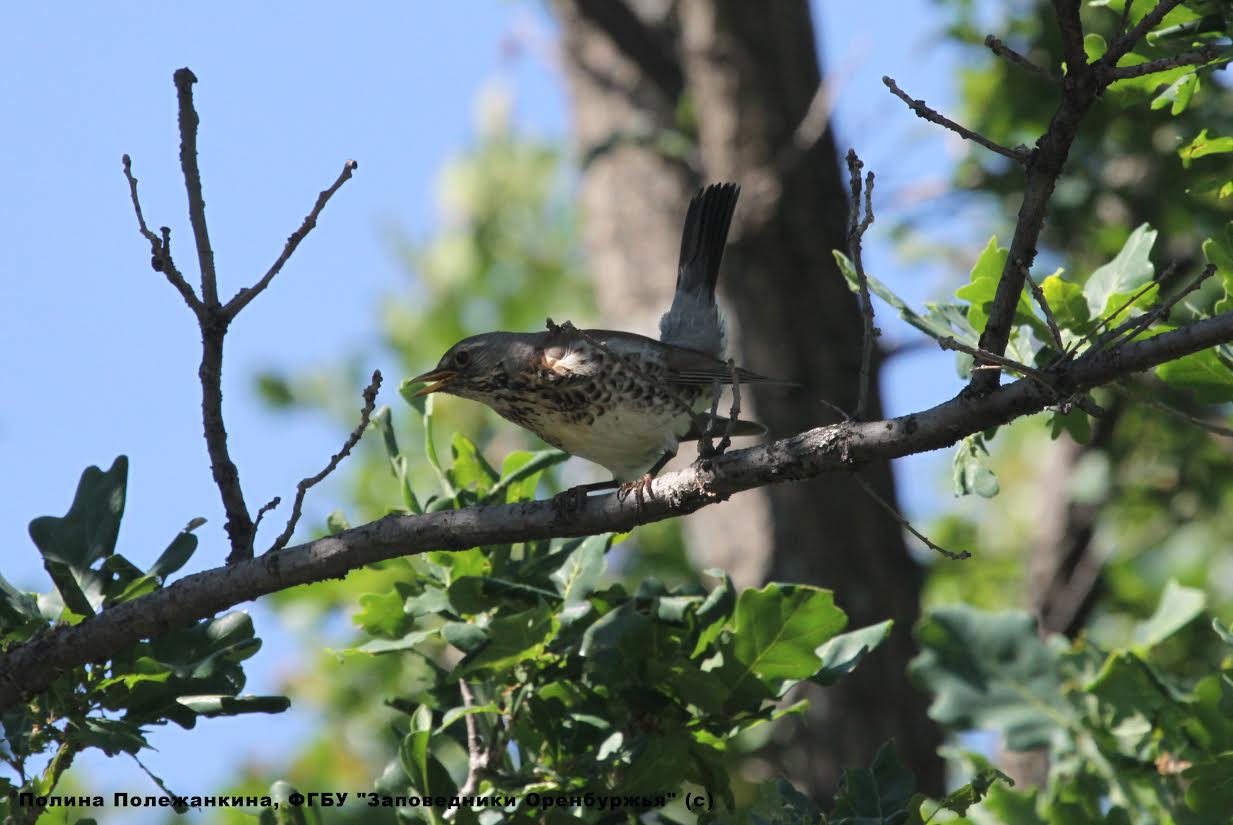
(625, 441)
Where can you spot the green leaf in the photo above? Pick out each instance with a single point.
(175, 556)
(1075, 422)
(1210, 791)
(470, 471)
(936, 324)
(423, 405)
(777, 628)
(17, 607)
(714, 611)
(843, 653)
(465, 636)
(990, 671)
(428, 776)
(1112, 284)
(221, 705)
(1067, 303)
(1218, 251)
(1204, 373)
(336, 522)
(1178, 94)
(970, 472)
(577, 577)
(877, 795)
(511, 639)
(1178, 607)
(521, 471)
(982, 287)
(454, 714)
(86, 534)
(1204, 145)
(383, 614)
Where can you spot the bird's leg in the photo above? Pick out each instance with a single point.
(733, 413)
(706, 447)
(641, 487)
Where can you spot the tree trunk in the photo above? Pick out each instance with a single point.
(750, 71)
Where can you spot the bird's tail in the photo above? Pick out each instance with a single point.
(693, 321)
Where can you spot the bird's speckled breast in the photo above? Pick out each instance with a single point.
(620, 413)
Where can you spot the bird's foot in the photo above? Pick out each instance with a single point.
(640, 487)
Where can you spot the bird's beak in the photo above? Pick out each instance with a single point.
(435, 379)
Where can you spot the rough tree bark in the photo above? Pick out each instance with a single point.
(750, 71)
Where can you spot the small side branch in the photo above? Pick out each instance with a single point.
(857, 225)
(1039, 294)
(999, 48)
(160, 248)
(907, 525)
(1198, 57)
(246, 295)
(301, 489)
(1121, 46)
(1019, 154)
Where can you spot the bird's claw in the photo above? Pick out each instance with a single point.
(640, 487)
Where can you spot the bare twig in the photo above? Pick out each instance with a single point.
(1002, 50)
(992, 358)
(1181, 415)
(1134, 326)
(1198, 57)
(246, 295)
(1119, 47)
(857, 225)
(1050, 320)
(160, 249)
(1019, 154)
(1125, 21)
(301, 489)
(265, 508)
(907, 525)
(1094, 334)
(184, 80)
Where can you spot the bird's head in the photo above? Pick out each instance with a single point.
(475, 367)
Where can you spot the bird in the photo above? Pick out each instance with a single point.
(618, 399)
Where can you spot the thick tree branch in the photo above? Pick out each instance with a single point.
(29, 668)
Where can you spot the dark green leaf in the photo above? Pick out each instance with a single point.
(71, 545)
(777, 628)
(175, 556)
(842, 654)
(511, 639)
(877, 795)
(1178, 607)
(219, 705)
(577, 577)
(990, 671)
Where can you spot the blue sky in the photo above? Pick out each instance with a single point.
(98, 354)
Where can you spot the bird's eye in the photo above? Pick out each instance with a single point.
(461, 359)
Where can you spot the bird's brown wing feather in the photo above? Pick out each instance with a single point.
(685, 366)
